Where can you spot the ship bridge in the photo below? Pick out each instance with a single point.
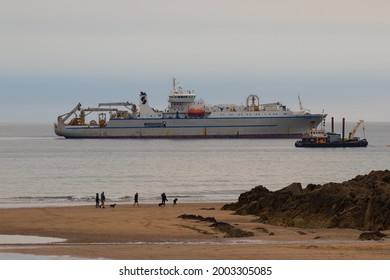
(180, 100)
(182, 97)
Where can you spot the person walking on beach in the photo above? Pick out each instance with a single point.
(97, 200)
(163, 199)
(102, 199)
(136, 200)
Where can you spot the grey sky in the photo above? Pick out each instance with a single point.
(334, 54)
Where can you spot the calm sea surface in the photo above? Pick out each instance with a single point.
(38, 168)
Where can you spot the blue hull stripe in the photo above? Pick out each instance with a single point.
(170, 127)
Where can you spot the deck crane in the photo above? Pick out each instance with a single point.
(301, 107)
(63, 118)
(354, 129)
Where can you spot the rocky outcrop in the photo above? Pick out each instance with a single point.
(360, 203)
(372, 235)
(229, 230)
(198, 218)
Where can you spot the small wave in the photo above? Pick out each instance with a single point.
(28, 239)
(222, 242)
(31, 201)
(12, 138)
(42, 198)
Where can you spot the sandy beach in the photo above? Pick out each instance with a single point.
(150, 232)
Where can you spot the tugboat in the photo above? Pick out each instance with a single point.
(323, 139)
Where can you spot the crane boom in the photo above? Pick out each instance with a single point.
(300, 104)
(116, 104)
(64, 117)
(354, 129)
(301, 107)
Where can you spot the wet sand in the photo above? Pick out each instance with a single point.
(150, 232)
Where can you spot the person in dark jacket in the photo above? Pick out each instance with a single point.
(136, 200)
(97, 200)
(163, 198)
(102, 199)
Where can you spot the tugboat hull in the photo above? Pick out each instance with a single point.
(338, 144)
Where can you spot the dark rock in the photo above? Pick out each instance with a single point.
(248, 197)
(360, 203)
(372, 235)
(228, 229)
(198, 218)
(261, 229)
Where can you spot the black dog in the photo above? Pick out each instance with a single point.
(161, 204)
(112, 205)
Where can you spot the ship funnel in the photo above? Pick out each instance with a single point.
(143, 98)
(145, 111)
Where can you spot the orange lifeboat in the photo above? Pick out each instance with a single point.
(196, 111)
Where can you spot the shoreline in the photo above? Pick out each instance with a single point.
(150, 232)
(89, 204)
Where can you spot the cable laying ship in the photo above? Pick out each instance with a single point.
(186, 117)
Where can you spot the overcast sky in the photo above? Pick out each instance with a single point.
(334, 54)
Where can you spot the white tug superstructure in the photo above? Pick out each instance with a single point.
(186, 117)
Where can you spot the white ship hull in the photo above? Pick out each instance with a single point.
(261, 127)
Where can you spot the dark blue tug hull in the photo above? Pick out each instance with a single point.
(336, 144)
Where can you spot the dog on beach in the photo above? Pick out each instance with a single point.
(161, 204)
(112, 205)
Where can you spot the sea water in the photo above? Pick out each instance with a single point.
(39, 168)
